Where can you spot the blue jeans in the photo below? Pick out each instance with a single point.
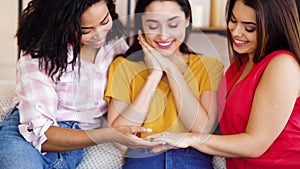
(17, 153)
(183, 158)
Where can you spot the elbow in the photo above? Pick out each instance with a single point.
(111, 123)
(200, 130)
(208, 128)
(254, 151)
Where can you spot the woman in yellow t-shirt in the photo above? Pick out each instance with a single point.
(163, 85)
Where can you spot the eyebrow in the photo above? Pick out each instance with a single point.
(248, 23)
(152, 20)
(100, 22)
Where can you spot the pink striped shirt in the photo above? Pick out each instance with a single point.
(43, 102)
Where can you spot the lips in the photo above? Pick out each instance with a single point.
(239, 43)
(164, 45)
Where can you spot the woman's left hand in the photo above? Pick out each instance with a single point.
(163, 61)
(178, 140)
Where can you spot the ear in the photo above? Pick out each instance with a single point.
(187, 21)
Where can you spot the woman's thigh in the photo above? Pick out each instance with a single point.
(17, 153)
(187, 158)
(144, 159)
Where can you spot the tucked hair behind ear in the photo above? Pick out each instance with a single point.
(141, 6)
(277, 24)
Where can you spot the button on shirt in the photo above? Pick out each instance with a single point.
(76, 97)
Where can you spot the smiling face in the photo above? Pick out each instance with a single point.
(96, 22)
(164, 25)
(242, 26)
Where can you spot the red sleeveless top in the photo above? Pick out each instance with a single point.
(285, 151)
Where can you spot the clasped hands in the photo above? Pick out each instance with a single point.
(153, 59)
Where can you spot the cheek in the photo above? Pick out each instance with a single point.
(179, 35)
(149, 37)
(253, 39)
(85, 38)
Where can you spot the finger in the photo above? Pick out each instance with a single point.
(158, 136)
(145, 47)
(138, 129)
(154, 136)
(161, 148)
(144, 43)
(153, 143)
(142, 143)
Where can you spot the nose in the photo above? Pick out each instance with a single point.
(164, 34)
(237, 30)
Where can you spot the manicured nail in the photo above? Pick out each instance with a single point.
(148, 130)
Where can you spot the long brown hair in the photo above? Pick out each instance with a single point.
(277, 27)
(141, 6)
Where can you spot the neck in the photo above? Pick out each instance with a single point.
(88, 53)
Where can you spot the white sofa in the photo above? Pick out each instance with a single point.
(102, 156)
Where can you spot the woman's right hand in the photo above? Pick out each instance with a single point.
(125, 135)
(149, 52)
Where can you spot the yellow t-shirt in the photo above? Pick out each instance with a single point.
(126, 79)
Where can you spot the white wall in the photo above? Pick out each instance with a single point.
(210, 44)
(8, 43)
(8, 47)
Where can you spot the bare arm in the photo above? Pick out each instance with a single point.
(65, 139)
(273, 102)
(135, 113)
(197, 115)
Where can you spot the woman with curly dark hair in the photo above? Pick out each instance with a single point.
(67, 47)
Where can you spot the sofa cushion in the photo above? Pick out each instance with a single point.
(7, 93)
(104, 156)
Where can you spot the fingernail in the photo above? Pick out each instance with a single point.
(148, 130)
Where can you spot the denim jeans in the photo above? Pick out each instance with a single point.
(183, 158)
(17, 153)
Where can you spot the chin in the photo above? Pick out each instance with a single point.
(166, 53)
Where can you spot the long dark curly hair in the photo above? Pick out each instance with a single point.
(47, 27)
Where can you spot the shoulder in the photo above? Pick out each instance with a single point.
(284, 61)
(211, 64)
(206, 60)
(121, 60)
(124, 65)
(283, 68)
(27, 64)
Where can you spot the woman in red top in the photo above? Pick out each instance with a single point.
(261, 104)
